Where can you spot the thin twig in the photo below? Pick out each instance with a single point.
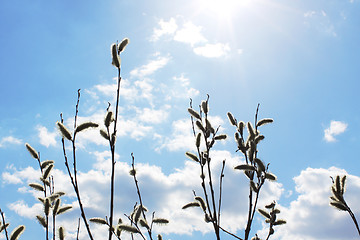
(74, 180)
(208, 147)
(214, 217)
(45, 195)
(252, 207)
(73, 141)
(112, 143)
(354, 220)
(230, 233)
(139, 193)
(220, 191)
(78, 230)
(4, 223)
(137, 227)
(203, 185)
(52, 190)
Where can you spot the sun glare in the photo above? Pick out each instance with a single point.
(223, 8)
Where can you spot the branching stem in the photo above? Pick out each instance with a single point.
(230, 233)
(4, 223)
(73, 177)
(139, 194)
(137, 227)
(112, 140)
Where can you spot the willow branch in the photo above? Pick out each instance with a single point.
(230, 233)
(220, 191)
(112, 143)
(139, 193)
(4, 223)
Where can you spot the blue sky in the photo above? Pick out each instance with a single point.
(298, 59)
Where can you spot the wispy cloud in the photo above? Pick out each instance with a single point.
(10, 140)
(309, 14)
(336, 128)
(321, 21)
(180, 88)
(151, 67)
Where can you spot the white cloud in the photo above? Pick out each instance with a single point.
(136, 122)
(310, 216)
(129, 126)
(90, 135)
(10, 140)
(190, 33)
(336, 128)
(23, 209)
(164, 194)
(46, 138)
(150, 67)
(134, 129)
(145, 87)
(213, 50)
(154, 116)
(181, 137)
(18, 176)
(165, 28)
(132, 91)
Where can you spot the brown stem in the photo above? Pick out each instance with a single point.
(78, 230)
(73, 141)
(203, 185)
(220, 191)
(132, 222)
(54, 227)
(74, 180)
(214, 217)
(138, 192)
(230, 233)
(248, 226)
(354, 220)
(4, 223)
(45, 195)
(112, 142)
(252, 207)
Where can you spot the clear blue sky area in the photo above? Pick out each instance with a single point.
(299, 59)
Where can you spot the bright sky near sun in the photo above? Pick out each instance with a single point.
(299, 59)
